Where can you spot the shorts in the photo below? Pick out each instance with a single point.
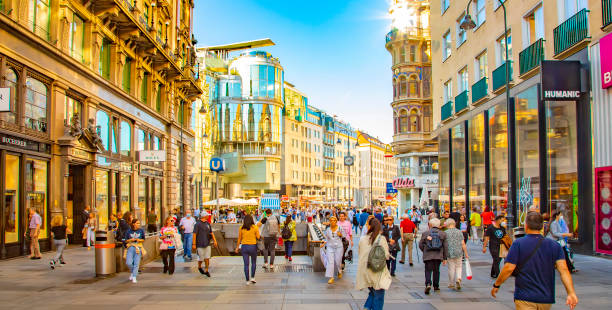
(203, 253)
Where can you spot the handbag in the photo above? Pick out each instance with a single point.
(468, 269)
(177, 241)
(517, 270)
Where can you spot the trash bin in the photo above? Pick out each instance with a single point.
(105, 253)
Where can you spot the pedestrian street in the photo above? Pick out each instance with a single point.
(27, 284)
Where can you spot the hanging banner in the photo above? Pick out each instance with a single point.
(603, 213)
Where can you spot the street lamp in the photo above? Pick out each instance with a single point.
(348, 160)
(204, 136)
(467, 24)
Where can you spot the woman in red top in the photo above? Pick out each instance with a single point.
(487, 217)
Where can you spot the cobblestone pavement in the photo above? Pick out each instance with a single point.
(26, 284)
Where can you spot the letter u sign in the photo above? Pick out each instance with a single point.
(217, 164)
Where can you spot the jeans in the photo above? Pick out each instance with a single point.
(168, 259)
(249, 251)
(376, 299)
(187, 244)
(91, 236)
(392, 262)
(432, 266)
(409, 237)
(455, 266)
(60, 245)
(475, 234)
(132, 260)
(495, 265)
(269, 249)
(289, 248)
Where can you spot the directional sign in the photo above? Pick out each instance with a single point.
(217, 164)
(390, 189)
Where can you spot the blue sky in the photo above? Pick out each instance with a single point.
(332, 50)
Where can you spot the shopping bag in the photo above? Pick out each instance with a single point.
(324, 257)
(468, 269)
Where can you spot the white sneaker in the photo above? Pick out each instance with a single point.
(131, 277)
(134, 280)
(265, 266)
(253, 280)
(248, 282)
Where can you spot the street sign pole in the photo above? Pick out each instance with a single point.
(217, 192)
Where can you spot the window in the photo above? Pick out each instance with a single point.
(402, 54)
(115, 131)
(497, 3)
(534, 26)
(144, 88)
(147, 13)
(446, 45)
(461, 37)
(39, 12)
(158, 101)
(77, 36)
(36, 105)
(402, 82)
(448, 91)
(427, 118)
(414, 120)
(445, 5)
(403, 121)
(72, 107)
(481, 14)
(36, 189)
(412, 53)
(103, 120)
(481, 66)
(413, 86)
(11, 197)
(104, 65)
(11, 82)
(568, 8)
(501, 49)
(141, 140)
(127, 75)
(462, 80)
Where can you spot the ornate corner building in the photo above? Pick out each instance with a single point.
(409, 43)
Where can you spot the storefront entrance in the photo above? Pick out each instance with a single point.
(76, 201)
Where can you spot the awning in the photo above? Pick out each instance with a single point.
(270, 203)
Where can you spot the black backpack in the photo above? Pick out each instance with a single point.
(286, 232)
(435, 244)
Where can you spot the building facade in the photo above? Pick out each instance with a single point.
(98, 113)
(409, 43)
(378, 167)
(533, 151)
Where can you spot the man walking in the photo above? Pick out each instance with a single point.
(409, 231)
(435, 250)
(363, 218)
(536, 259)
(186, 225)
(392, 233)
(34, 231)
(493, 236)
(203, 236)
(415, 216)
(271, 232)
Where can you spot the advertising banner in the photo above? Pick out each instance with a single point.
(603, 214)
(605, 55)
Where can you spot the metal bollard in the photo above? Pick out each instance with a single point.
(105, 253)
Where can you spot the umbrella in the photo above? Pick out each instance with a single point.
(222, 202)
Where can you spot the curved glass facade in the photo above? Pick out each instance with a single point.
(249, 122)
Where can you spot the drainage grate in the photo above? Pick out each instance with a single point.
(291, 268)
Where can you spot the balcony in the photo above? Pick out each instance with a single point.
(461, 101)
(571, 32)
(606, 13)
(447, 110)
(499, 75)
(480, 90)
(531, 57)
(412, 32)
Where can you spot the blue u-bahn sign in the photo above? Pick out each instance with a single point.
(217, 164)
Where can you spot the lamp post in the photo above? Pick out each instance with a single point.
(348, 160)
(204, 136)
(467, 24)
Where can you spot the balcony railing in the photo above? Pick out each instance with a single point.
(447, 110)
(461, 101)
(499, 75)
(409, 32)
(531, 57)
(571, 32)
(606, 12)
(479, 90)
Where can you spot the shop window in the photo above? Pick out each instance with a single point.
(36, 105)
(36, 190)
(72, 107)
(39, 12)
(77, 36)
(561, 133)
(126, 138)
(141, 140)
(126, 192)
(498, 156)
(104, 64)
(102, 201)
(103, 122)
(11, 199)
(141, 207)
(11, 82)
(126, 77)
(476, 142)
(458, 158)
(527, 152)
(115, 135)
(157, 184)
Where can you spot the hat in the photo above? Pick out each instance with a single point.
(204, 213)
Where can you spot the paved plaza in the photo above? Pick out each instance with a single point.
(26, 284)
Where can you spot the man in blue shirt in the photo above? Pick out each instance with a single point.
(363, 218)
(536, 258)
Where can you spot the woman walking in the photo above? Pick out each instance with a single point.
(464, 226)
(247, 244)
(90, 232)
(134, 238)
(168, 244)
(375, 282)
(59, 232)
(288, 230)
(335, 249)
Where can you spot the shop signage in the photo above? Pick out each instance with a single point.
(150, 172)
(25, 144)
(605, 46)
(217, 164)
(152, 156)
(390, 189)
(403, 182)
(603, 206)
(5, 99)
(561, 80)
(80, 154)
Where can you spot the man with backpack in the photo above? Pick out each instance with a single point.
(435, 250)
(271, 232)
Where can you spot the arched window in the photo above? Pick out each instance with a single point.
(414, 120)
(36, 105)
(11, 83)
(402, 83)
(413, 86)
(394, 88)
(126, 138)
(102, 120)
(395, 121)
(402, 54)
(403, 121)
